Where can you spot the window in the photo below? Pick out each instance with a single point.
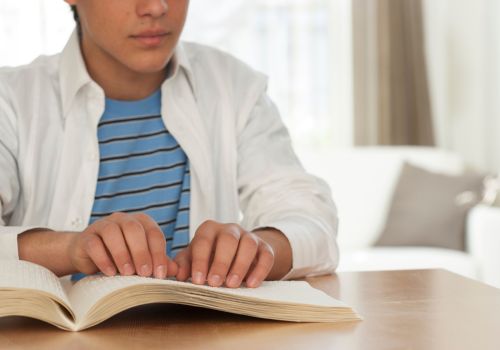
(302, 45)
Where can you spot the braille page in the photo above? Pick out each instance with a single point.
(19, 274)
(90, 290)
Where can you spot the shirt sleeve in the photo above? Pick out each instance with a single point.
(275, 191)
(9, 182)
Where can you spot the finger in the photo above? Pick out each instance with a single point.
(157, 249)
(183, 260)
(95, 249)
(157, 245)
(112, 236)
(225, 250)
(201, 251)
(246, 254)
(135, 236)
(264, 264)
(172, 268)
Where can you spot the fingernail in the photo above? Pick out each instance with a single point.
(128, 269)
(145, 270)
(215, 280)
(198, 278)
(161, 272)
(233, 280)
(252, 282)
(110, 271)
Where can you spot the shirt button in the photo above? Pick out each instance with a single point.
(77, 223)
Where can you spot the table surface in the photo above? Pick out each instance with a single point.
(421, 309)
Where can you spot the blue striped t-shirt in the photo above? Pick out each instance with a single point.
(142, 169)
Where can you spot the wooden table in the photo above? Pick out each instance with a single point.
(425, 309)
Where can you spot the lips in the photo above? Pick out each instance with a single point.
(150, 38)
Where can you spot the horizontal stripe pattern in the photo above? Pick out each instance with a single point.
(133, 137)
(142, 169)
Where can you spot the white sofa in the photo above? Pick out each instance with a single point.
(363, 181)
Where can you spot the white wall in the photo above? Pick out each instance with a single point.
(463, 48)
(29, 28)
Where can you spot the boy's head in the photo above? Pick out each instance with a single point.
(139, 34)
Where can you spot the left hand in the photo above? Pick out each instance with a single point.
(227, 254)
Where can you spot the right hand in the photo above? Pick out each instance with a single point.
(125, 243)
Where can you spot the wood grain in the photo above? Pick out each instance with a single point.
(425, 309)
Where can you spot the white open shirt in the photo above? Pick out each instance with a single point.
(216, 107)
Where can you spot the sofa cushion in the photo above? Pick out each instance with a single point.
(429, 209)
(409, 258)
(363, 180)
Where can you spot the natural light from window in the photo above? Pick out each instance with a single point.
(302, 45)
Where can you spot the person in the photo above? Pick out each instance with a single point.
(134, 153)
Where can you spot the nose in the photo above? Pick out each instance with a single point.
(152, 8)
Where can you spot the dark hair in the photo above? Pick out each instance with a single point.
(75, 13)
(76, 18)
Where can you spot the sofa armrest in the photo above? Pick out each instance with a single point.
(483, 242)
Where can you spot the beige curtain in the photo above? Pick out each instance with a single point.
(391, 95)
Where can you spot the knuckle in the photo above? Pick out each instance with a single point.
(143, 216)
(206, 225)
(208, 222)
(233, 230)
(155, 233)
(108, 227)
(131, 225)
(251, 240)
(202, 242)
(267, 255)
(93, 226)
(118, 216)
(266, 246)
(230, 238)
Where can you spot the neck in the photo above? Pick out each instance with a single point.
(118, 81)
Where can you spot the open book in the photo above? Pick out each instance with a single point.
(30, 290)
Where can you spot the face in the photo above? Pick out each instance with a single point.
(138, 34)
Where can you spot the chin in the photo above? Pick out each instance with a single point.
(151, 62)
(148, 67)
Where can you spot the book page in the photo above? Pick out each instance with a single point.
(19, 274)
(87, 292)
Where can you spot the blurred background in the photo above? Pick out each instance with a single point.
(372, 91)
(307, 48)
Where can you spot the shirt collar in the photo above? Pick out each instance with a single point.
(73, 74)
(180, 60)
